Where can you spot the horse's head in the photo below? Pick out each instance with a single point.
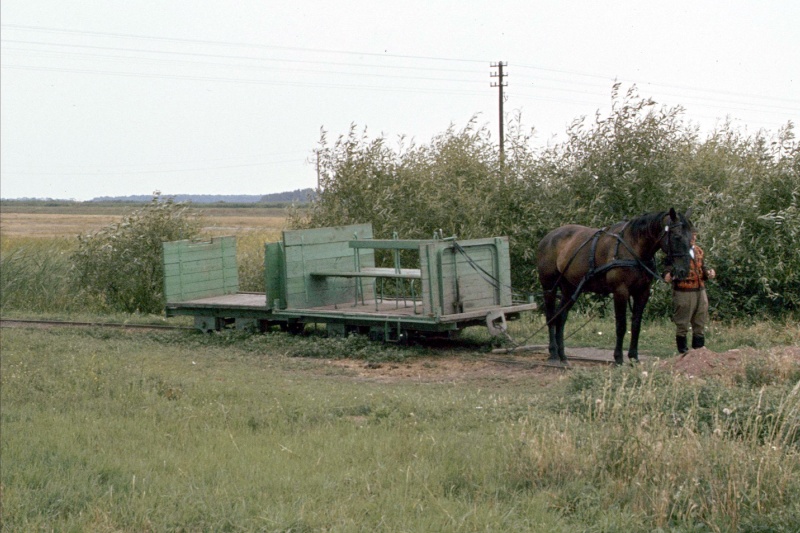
(676, 241)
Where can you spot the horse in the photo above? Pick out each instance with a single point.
(617, 260)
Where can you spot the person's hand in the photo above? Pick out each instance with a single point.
(711, 273)
(668, 277)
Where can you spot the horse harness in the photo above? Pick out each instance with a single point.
(648, 266)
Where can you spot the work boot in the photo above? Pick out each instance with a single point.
(698, 341)
(680, 340)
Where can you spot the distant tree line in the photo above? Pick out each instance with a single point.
(642, 157)
(300, 196)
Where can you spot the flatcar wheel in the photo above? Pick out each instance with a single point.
(293, 328)
(405, 338)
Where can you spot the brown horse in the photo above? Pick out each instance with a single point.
(615, 260)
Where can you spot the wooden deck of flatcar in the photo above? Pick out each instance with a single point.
(248, 300)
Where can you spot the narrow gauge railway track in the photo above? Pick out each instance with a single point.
(587, 356)
(584, 361)
(44, 324)
(26, 323)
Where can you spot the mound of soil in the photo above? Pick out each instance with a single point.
(703, 362)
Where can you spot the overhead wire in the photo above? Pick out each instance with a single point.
(90, 53)
(536, 83)
(257, 46)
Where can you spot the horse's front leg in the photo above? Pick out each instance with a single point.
(639, 302)
(620, 316)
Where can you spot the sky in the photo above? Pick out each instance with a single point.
(107, 98)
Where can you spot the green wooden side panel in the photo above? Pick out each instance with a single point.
(454, 282)
(200, 269)
(325, 249)
(275, 275)
(504, 271)
(431, 279)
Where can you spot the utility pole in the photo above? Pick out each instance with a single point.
(500, 84)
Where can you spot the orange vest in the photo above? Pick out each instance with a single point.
(695, 280)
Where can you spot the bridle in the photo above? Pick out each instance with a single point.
(665, 233)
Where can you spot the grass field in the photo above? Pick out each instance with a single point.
(108, 430)
(70, 221)
(115, 431)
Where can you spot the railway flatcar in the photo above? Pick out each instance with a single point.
(349, 281)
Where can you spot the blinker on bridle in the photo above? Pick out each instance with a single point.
(665, 233)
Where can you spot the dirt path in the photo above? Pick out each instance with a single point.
(455, 368)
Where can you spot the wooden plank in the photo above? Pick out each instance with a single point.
(306, 288)
(390, 244)
(224, 281)
(274, 275)
(209, 277)
(191, 295)
(431, 302)
(296, 266)
(198, 254)
(328, 250)
(389, 273)
(503, 270)
(219, 263)
(405, 273)
(326, 235)
(238, 300)
(196, 251)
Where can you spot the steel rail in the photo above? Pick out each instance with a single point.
(549, 364)
(21, 322)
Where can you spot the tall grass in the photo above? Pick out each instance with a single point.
(34, 275)
(250, 257)
(173, 431)
(671, 453)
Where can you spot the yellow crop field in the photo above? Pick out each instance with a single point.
(60, 222)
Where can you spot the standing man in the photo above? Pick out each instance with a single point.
(689, 300)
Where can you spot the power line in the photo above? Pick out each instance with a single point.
(344, 52)
(262, 68)
(219, 56)
(572, 80)
(231, 43)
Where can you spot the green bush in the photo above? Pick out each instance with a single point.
(640, 158)
(121, 265)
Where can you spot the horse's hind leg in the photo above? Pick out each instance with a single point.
(565, 305)
(550, 298)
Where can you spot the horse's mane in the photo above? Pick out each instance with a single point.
(650, 224)
(647, 224)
